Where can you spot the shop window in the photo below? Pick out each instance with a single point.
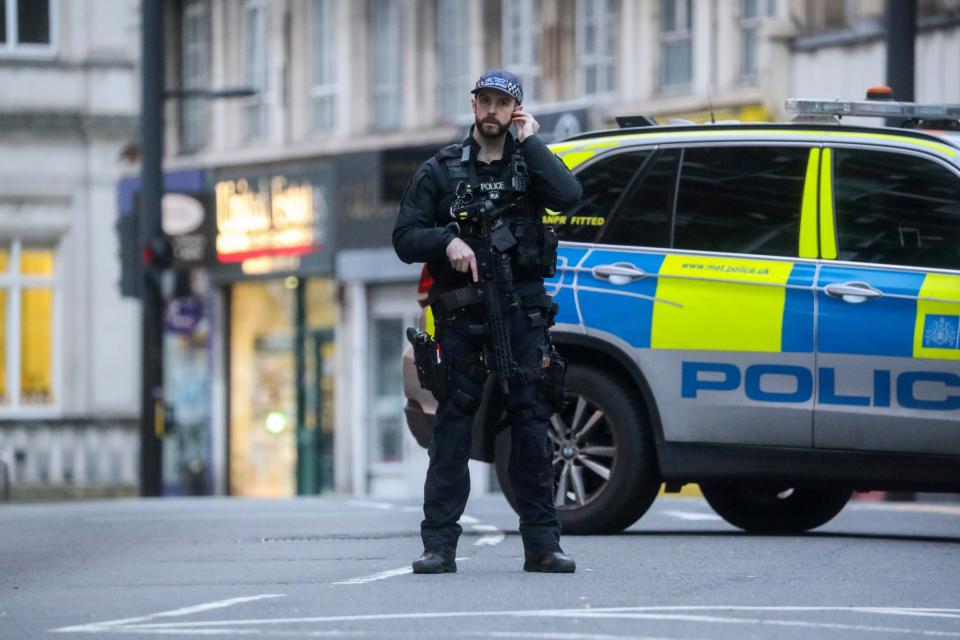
(282, 386)
(386, 441)
(27, 278)
(741, 200)
(26, 27)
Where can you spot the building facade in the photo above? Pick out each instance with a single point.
(307, 301)
(69, 383)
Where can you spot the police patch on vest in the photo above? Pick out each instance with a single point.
(493, 186)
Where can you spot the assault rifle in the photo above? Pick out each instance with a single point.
(496, 278)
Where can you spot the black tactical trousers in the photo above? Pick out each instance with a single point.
(531, 470)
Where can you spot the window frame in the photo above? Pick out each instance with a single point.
(749, 27)
(606, 30)
(13, 282)
(722, 144)
(526, 63)
(675, 36)
(453, 62)
(386, 90)
(260, 99)
(14, 49)
(660, 147)
(833, 196)
(327, 50)
(195, 110)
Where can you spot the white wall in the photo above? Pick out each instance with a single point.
(58, 175)
(847, 71)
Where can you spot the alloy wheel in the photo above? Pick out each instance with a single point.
(585, 452)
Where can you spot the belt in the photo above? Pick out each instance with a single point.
(527, 294)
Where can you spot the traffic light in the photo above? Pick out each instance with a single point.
(131, 261)
(158, 254)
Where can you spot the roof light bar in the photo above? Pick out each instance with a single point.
(872, 108)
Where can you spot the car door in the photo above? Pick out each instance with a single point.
(699, 276)
(888, 294)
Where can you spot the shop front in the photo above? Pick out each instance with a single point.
(273, 271)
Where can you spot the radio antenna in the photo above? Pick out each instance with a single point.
(713, 119)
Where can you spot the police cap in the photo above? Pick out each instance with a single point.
(501, 80)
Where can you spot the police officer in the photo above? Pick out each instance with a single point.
(491, 165)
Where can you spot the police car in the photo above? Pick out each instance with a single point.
(771, 311)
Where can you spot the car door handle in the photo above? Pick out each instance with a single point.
(619, 273)
(852, 292)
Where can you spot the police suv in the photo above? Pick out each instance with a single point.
(769, 310)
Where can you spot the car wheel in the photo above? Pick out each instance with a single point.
(774, 509)
(604, 459)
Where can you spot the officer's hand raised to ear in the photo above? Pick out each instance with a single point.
(461, 257)
(525, 123)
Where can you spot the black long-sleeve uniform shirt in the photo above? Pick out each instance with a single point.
(420, 233)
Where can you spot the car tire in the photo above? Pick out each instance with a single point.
(619, 440)
(772, 509)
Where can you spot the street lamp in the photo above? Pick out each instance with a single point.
(153, 97)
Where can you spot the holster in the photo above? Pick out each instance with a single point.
(551, 384)
(431, 370)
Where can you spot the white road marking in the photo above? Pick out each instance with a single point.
(491, 537)
(385, 506)
(560, 636)
(468, 519)
(383, 575)
(674, 613)
(173, 613)
(679, 617)
(946, 509)
(691, 515)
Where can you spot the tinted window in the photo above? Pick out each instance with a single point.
(643, 217)
(741, 200)
(895, 208)
(603, 184)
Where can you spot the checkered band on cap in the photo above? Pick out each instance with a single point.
(501, 81)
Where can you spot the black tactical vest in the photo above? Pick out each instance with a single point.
(535, 254)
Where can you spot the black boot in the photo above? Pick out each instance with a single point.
(549, 562)
(436, 561)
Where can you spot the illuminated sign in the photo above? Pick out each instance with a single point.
(272, 217)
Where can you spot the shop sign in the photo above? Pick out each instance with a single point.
(182, 218)
(268, 217)
(182, 315)
(370, 185)
(272, 222)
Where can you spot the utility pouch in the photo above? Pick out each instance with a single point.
(548, 252)
(551, 384)
(527, 255)
(431, 371)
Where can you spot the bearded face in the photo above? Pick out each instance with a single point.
(492, 112)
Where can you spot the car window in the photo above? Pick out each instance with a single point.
(741, 199)
(603, 183)
(643, 217)
(895, 208)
